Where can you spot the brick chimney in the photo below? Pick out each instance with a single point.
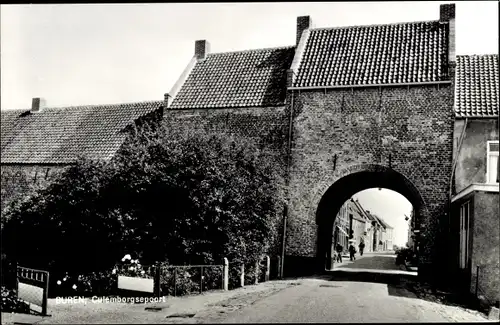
(166, 98)
(37, 104)
(201, 49)
(447, 15)
(303, 23)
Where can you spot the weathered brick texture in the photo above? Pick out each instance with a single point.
(267, 126)
(363, 126)
(19, 180)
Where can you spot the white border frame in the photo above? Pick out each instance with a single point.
(488, 153)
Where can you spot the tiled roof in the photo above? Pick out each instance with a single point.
(372, 217)
(381, 221)
(237, 79)
(385, 224)
(476, 88)
(356, 214)
(61, 135)
(371, 55)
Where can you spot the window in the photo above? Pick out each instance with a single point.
(464, 234)
(492, 162)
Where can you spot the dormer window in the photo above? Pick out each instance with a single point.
(492, 162)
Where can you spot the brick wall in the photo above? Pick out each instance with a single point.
(486, 245)
(19, 180)
(267, 126)
(363, 126)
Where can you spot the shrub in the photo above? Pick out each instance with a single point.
(10, 303)
(189, 197)
(406, 256)
(187, 280)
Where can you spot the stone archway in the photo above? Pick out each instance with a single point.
(355, 179)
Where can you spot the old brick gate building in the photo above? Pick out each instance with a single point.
(344, 109)
(361, 107)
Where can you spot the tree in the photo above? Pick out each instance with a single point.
(185, 196)
(66, 225)
(196, 197)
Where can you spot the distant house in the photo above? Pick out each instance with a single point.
(386, 234)
(357, 223)
(369, 229)
(474, 219)
(38, 143)
(354, 222)
(411, 242)
(377, 228)
(341, 228)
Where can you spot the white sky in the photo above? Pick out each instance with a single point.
(73, 54)
(376, 201)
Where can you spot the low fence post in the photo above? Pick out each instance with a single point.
(225, 275)
(45, 295)
(278, 262)
(268, 268)
(16, 267)
(201, 280)
(242, 275)
(175, 281)
(157, 288)
(257, 271)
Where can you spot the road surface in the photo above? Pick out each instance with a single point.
(330, 299)
(367, 290)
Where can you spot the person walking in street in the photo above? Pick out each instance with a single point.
(339, 250)
(352, 251)
(361, 248)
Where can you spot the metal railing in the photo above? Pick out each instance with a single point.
(181, 272)
(33, 287)
(163, 279)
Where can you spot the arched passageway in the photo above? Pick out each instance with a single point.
(365, 177)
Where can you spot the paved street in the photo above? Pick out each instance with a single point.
(367, 290)
(328, 301)
(370, 261)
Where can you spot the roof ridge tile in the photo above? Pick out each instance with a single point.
(375, 25)
(89, 106)
(253, 50)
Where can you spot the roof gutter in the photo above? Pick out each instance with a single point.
(375, 85)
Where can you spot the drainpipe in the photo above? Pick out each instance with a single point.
(455, 159)
(453, 166)
(287, 180)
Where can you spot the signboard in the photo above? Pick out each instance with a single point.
(32, 287)
(31, 293)
(135, 284)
